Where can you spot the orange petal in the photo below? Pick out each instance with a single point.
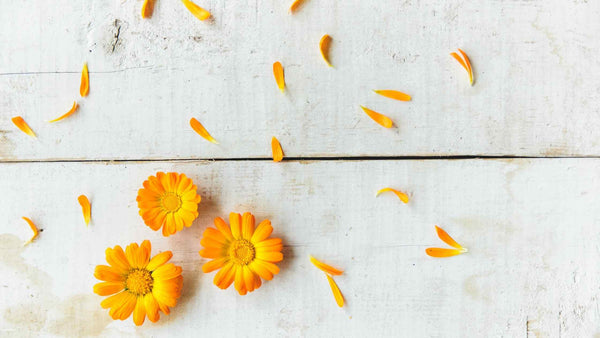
(443, 235)
(21, 124)
(278, 73)
(402, 196)
(379, 118)
(86, 208)
(33, 228)
(439, 252)
(147, 9)
(199, 128)
(339, 299)
(393, 94)
(67, 114)
(325, 267)
(469, 69)
(84, 87)
(295, 5)
(324, 45)
(198, 11)
(277, 151)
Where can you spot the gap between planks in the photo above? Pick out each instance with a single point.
(303, 159)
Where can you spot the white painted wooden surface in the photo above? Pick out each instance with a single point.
(536, 66)
(532, 227)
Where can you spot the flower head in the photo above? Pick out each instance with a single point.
(138, 284)
(169, 201)
(243, 254)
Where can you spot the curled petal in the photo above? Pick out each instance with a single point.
(324, 45)
(147, 8)
(278, 73)
(23, 126)
(295, 6)
(325, 267)
(443, 235)
(468, 63)
(440, 252)
(84, 87)
(379, 118)
(199, 12)
(86, 208)
(277, 151)
(199, 128)
(402, 196)
(337, 294)
(393, 94)
(33, 228)
(67, 114)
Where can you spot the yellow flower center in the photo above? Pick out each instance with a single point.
(241, 251)
(171, 202)
(139, 282)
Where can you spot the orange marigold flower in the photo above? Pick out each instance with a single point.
(168, 200)
(138, 284)
(243, 254)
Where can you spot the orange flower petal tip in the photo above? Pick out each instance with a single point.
(276, 149)
(23, 126)
(199, 128)
(147, 8)
(67, 114)
(86, 208)
(465, 63)
(325, 267)
(402, 196)
(279, 77)
(33, 228)
(295, 6)
(84, 87)
(199, 12)
(442, 253)
(393, 94)
(443, 235)
(324, 45)
(337, 294)
(379, 118)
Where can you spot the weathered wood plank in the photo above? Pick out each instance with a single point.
(535, 93)
(532, 227)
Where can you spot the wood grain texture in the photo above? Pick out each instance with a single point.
(532, 228)
(535, 92)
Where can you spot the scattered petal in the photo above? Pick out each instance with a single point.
(278, 73)
(277, 151)
(86, 208)
(443, 235)
(324, 48)
(295, 5)
(440, 253)
(468, 62)
(379, 118)
(325, 268)
(465, 63)
(84, 87)
(393, 94)
(21, 124)
(196, 10)
(199, 128)
(67, 114)
(33, 228)
(339, 299)
(402, 196)
(147, 9)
